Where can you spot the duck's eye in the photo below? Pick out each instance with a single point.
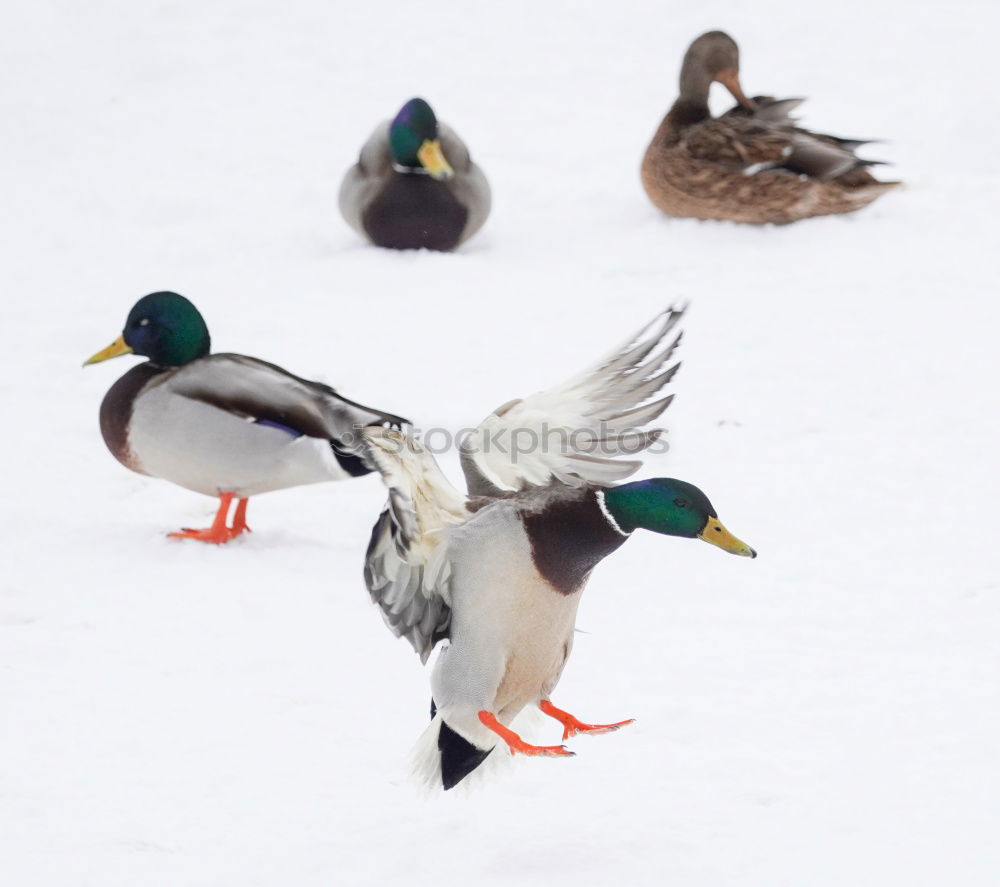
(144, 322)
(680, 503)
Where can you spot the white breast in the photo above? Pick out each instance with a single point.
(511, 631)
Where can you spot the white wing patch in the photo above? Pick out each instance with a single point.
(577, 433)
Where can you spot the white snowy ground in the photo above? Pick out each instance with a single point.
(176, 714)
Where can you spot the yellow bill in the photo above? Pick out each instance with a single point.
(432, 158)
(115, 349)
(717, 534)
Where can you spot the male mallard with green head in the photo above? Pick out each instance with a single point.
(499, 573)
(223, 425)
(752, 164)
(415, 185)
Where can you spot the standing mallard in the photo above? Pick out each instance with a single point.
(415, 186)
(499, 572)
(752, 164)
(224, 425)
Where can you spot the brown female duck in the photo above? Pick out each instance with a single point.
(752, 164)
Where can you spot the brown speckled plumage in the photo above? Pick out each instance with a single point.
(752, 164)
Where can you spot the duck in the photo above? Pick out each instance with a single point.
(495, 575)
(223, 425)
(753, 163)
(415, 185)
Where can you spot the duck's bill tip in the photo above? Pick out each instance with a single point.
(716, 534)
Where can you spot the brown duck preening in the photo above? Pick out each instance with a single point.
(752, 164)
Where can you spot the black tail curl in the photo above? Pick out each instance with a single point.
(459, 757)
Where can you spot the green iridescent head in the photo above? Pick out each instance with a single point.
(165, 327)
(672, 507)
(414, 141)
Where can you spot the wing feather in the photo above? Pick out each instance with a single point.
(407, 570)
(575, 432)
(263, 392)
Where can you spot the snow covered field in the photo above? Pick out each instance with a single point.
(185, 715)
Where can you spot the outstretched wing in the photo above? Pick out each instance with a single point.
(407, 571)
(577, 432)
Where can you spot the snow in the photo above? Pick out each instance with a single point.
(177, 714)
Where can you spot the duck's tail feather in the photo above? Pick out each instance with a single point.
(459, 757)
(442, 757)
(370, 417)
(351, 418)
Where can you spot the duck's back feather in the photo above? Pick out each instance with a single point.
(255, 389)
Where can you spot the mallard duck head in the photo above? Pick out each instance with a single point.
(414, 141)
(672, 507)
(713, 58)
(165, 327)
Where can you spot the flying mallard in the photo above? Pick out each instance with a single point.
(224, 425)
(499, 572)
(752, 164)
(415, 185)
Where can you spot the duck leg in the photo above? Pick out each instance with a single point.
(218, 533)
(516, 744)
(571, 726)
(240, 519)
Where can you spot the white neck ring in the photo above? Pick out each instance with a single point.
(608, 516)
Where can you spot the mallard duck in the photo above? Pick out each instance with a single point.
(499, 572)
(752, 164)
(224, 425)
(415, 186)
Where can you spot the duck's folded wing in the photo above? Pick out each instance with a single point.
(407, 570)
(823, 157)
(262, 392)
(362, 180)
(738, 142)
(454, 149)
(469, 186)
(766, 139)
(577, 433)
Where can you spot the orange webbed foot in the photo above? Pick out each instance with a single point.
(211, 535)
(219, 533)
(571, 726)
(517, 745)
